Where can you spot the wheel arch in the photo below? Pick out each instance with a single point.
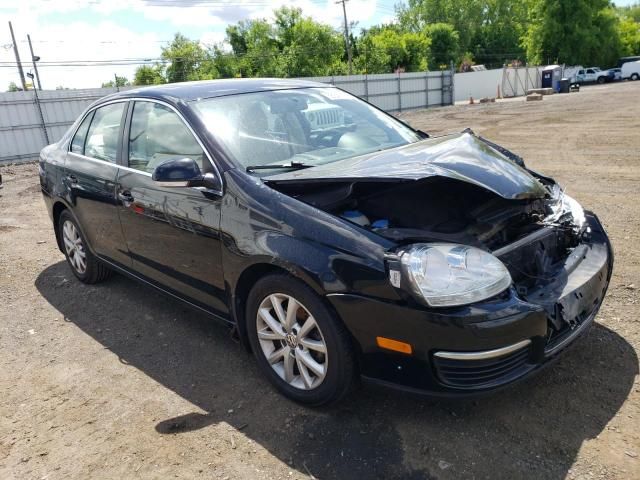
(255, 272)
(58, 208)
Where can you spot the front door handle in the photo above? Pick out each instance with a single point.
(72, 178)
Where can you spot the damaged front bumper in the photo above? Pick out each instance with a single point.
(489, 344)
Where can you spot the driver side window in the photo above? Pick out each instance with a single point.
(158, 134)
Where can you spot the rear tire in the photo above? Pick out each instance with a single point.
(635, 76)
(601, 80)
(84, 265)
(299, 344)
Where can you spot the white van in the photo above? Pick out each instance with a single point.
(631, 70)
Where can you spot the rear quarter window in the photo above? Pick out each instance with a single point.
(77, 144)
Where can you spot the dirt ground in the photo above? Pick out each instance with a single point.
(116, 381)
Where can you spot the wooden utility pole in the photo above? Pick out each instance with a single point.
(34, 59)
(346, 35)
(15, 50)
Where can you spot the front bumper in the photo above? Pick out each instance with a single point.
(487, 345)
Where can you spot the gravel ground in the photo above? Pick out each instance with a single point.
(116, 381)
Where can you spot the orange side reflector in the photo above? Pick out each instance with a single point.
(394, 345)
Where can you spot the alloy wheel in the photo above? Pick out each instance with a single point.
(74, 247)
(291, 341)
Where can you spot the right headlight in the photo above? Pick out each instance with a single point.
(444, 274)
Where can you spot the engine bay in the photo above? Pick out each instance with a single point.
(531, 236)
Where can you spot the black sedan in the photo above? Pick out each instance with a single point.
(337, 242)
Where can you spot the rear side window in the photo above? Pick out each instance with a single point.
(77, 144)
(102, 137)
(158, 134)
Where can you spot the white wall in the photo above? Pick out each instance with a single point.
(477, 84)
(513, 82)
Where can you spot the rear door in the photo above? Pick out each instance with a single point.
(172, 233)
(90, 174)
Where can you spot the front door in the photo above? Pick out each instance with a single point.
(172, 233)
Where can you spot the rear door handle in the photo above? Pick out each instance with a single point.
(125, 197)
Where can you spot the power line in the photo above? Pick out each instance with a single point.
(162, 61)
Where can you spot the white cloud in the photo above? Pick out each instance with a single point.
(71, 44)
(102, 39)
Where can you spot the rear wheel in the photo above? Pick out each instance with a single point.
(601, 80)
(635, 76)
(298, 343)
(84, 265)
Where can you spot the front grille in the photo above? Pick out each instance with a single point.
(482, 373)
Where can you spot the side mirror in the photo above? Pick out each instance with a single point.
(176, 172)
(208, 181)
(184, 172)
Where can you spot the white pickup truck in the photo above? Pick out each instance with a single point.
(593, 74)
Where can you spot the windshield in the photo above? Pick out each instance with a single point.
(299, 127)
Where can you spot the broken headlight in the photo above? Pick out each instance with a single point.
(445, 275)
(561, 206)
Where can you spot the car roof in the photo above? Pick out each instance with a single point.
(190, 91)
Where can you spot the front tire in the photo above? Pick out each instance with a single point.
(84, 265)
(299, 344)
(635, 76)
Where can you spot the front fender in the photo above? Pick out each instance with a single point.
(263, 226)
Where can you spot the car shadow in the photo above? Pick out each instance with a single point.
(532, 430)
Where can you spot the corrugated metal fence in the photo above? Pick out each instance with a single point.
(396, 92)
(28, 123)
(30, 120)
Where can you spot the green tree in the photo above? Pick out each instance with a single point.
(149, 75)
(225, 63)
(631, 11)
(294, 45)
(465, 16)
(187, 60)
(387, 48)
(308, 48)
(573, 32)
(254, 43)
(445, 44)
(13, 87)
(491, 30)
(117, 82)
(498, 39)
(629, 31)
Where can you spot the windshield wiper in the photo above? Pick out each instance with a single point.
(292, 165)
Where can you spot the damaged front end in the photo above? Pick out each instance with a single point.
(463, 190)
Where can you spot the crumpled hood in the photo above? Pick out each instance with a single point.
(461, 156)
